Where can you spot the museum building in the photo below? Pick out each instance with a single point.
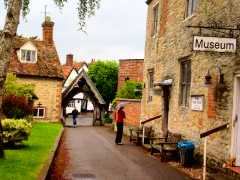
(192, 74)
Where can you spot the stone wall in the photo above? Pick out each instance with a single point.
(173, 44)
(130, 68)
(49, 94)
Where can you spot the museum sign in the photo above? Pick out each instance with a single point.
(214, 44)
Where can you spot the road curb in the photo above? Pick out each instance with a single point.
(44, 170)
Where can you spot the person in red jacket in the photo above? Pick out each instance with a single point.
(119, 117)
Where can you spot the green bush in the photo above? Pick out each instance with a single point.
(15, 130)
(130, 90)
(107, 119)
(18, 98)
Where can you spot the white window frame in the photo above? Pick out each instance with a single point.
(71, 104)
(156, 19)
(33, 56)
(38, 108)
(185, 82)
(191, 6)
(150, 84)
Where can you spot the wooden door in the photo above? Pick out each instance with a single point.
(166, 96)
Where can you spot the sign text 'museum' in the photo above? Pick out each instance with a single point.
(214, 44)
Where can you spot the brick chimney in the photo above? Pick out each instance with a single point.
(69, 60)
(47, 26)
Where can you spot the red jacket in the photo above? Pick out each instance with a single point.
(120, 116)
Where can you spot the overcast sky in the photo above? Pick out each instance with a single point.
(117, 31)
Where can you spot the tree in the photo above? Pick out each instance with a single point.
(130, 90)
(14, 8)
(105, 74)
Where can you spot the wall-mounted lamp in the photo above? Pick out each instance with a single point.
(208, 76)
(39, 104)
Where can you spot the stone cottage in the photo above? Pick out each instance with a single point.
(191, 73)
(36, 62)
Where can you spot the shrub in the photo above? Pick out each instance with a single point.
(107, 119)
(12, 86)
(16, 106)
(130, 90)
(18, 98)
(15, 130)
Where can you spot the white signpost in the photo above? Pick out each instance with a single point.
(214, 44)
(197, 103)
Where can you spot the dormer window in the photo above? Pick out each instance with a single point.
(27, 53)
(28, 56)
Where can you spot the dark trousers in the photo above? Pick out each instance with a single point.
(119, 133)
(74, 120)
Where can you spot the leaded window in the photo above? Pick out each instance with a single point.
(39, 112)
(185, 82)
(155, 19)
(28, 55)
(150, 83)
(191, 7)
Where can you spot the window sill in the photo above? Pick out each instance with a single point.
(27, 62)
(35, 117)
(189, 17)
(154, 36)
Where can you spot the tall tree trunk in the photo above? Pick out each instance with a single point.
(6, 44)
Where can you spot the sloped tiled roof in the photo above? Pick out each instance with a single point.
(67, 69)
(48, 64)
(82, 76)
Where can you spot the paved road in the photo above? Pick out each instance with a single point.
(92, 155)
(81, 121)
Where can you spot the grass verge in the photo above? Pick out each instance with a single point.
(27, 161)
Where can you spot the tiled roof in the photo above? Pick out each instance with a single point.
(67, 69)
(48, 64)
(82, 79)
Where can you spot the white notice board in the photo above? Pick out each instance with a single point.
(197, 103)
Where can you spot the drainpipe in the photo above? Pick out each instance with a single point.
(143, 134)
(205, 158)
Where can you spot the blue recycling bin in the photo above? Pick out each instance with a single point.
(186, 150)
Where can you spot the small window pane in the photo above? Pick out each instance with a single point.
(23, 54)
(28, 56)
(189, 8)
(155, 19)
(40, 112)
(33, 55)
(35, 112)
(194, 4)
(150, 83)
(185, 82)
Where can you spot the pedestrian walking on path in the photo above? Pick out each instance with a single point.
(74, 116)
(119, 117)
